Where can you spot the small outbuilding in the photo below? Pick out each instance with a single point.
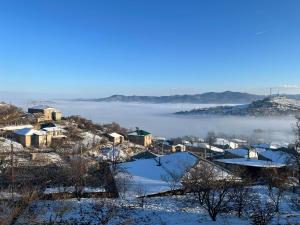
(115, 138)
(178, 148)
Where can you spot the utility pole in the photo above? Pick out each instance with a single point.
(162, 147)
(113, 153)
(12, 171)
(113, 157)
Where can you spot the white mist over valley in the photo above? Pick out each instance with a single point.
(160, 120)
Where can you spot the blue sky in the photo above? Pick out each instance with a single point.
(97, 48)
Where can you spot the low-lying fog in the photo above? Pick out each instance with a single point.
(158, 119)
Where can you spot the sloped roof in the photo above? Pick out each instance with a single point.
(39, 132)
(146, 175)
(139, 133)
(49, 124)
(251, 162)
(239, 151)
(24, 131)
(144, 155)
(115, 135)
(41, 107)
(276, 156)
(52, 129)
(29, 131)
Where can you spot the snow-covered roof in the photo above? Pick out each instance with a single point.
(39, 132)
(179, 145)
(12, 128)
(238, 151)
(262, 145)
(272, 145)
(251, 162)
(212, 148)
(52, 129)
(276, 156)
(40, 107)
(149, 178)
(29, 131)
(220, 173)
(115, 135)
(24, 131)
(237, 140)
(224, 142)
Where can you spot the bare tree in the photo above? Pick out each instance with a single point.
(262, 212)
(296, 150)
(58, 212)
(140, 191)
(173, 178)
(103, 211)
(123, 181)
(276, 182)
(211, 191)
(242, 197)
(77, 173)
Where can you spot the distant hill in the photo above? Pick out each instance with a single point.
(226, 97)
(294, 96)
(270, 106)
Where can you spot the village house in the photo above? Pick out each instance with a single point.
(45, 113)
(116, 138)
(29, 137)
(225, 144)
(178, 148)
(140, 137)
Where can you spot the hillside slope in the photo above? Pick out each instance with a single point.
(271, 106)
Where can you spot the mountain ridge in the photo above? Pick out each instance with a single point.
(227, 97)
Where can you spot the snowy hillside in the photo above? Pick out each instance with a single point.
(271, 106)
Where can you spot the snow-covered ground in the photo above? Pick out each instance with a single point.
(113, 154)
(166, 210)
(52, 190)
(5, 145)
(51, 157)
(89, 139)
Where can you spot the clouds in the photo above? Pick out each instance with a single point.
(261, 32)
(291, 86)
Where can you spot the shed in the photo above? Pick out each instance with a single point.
(116, 138)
